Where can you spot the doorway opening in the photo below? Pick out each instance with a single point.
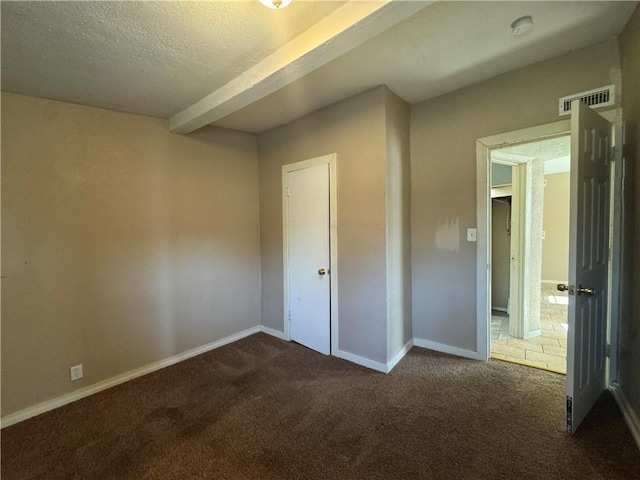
(529, 219)
(595, 227)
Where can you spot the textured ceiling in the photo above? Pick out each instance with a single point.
(446, 46)
(153, 58)
(545, 150)
(554, 152)
(158, 58)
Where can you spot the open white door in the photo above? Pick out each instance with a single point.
(591, 155)
(308, 256)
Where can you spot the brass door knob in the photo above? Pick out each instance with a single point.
(322, 271)
(565, 288)
(586, 291)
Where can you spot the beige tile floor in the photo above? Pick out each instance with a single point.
(549, 350)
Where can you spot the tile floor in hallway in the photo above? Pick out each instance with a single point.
(549, 350)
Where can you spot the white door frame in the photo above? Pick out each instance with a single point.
(333, 240)
(484, 146)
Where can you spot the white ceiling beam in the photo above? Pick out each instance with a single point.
(346, 28)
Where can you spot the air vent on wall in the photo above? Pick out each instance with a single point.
(596, 98)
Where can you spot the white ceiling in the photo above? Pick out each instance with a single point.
(447, 46)
(158, 58)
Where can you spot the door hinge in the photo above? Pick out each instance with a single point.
(608, 351)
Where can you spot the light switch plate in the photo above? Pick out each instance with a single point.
(472, 235)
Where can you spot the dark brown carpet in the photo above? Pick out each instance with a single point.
(266, 409)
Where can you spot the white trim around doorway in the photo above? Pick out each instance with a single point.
(483, 265)
(483, 178)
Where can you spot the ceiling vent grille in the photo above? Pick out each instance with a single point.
(596, 98)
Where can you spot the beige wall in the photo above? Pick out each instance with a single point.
(122, 244)
(500, 254)
(629, 378)
(399, 330)
(443, 147)
(555, 246)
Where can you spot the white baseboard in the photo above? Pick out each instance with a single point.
(441, 347)
(500, 309)
(399, 356)
(630, 417)
(274, 333)
(71, 397)
(351, 357)
(365, 362)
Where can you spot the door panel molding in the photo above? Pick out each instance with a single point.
(591, 157)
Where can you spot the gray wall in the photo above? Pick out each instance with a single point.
(629, 377)
(399, 329)
(500, 254)
(443, 147)
(355, 129)
(122, 243)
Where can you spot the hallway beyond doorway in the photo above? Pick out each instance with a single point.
(547, 351)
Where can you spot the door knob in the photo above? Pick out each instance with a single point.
(322, 271)
(586, 291)
(563, 287)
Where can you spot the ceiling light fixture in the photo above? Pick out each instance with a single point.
(275, 4)
(522, 25)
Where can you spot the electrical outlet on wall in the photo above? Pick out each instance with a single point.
(76, 372)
